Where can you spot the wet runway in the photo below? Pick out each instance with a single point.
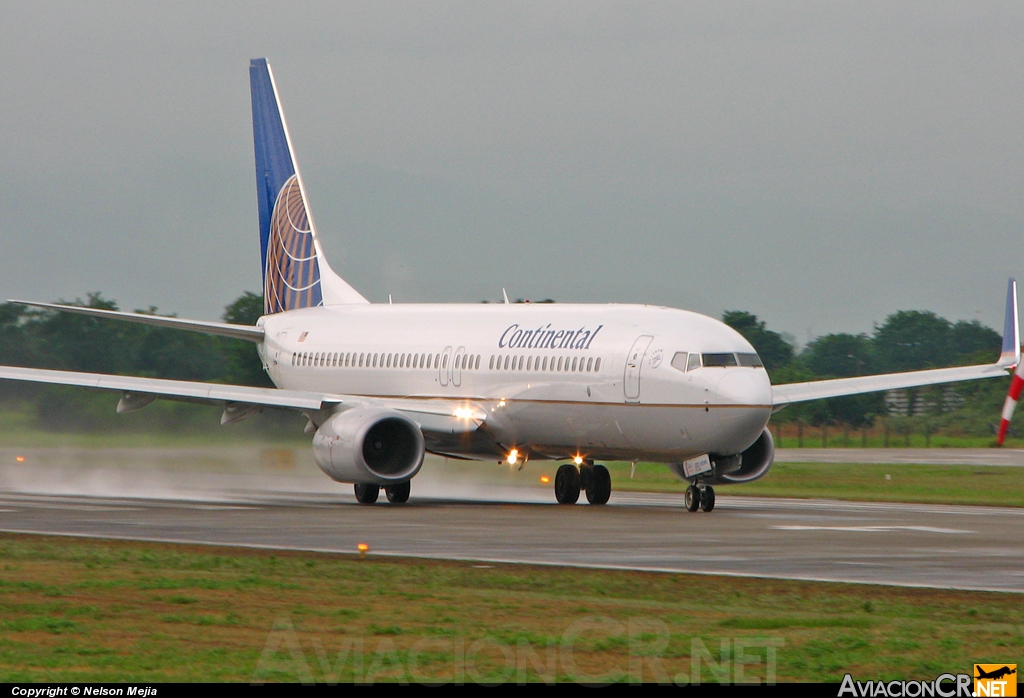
(276, 498)
(912, 545)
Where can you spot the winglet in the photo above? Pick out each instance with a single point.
(1010, 354)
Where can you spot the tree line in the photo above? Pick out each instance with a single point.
(908, 340)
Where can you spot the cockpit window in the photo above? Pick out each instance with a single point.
(679, 360)
(719, 359)
(752, 360)
(693, 362)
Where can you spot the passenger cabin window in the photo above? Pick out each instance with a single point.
(719, 360)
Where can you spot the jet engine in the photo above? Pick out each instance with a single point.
(369, 445)
(748, 466)
(740, 467)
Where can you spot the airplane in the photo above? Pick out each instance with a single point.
(996, 673)
(382, 384)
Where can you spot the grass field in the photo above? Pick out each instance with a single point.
(80, 610)
(945, 484)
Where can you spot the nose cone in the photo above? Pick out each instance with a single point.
(744, 397)
(748, 387)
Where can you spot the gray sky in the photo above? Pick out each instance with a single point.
(819, 164)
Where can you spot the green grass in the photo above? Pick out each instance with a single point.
(78, 610)
(946, 484)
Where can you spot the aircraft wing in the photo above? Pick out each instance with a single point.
(434, 416)
(783, 395)
(1009, 357)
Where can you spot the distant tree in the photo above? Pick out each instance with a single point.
(81, 343)
(774, 351)
(912, 340)
(244, 310)
(243, 365)
(972, 342)
(16, 341)
(839, 355)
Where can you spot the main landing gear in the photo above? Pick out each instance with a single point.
(396, 494)
(592, 479)
(702, 498)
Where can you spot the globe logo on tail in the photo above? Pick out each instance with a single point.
(293, 275)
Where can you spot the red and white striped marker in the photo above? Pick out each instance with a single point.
(1016, 385)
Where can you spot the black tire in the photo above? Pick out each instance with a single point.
(707, 499)
(367, 494)
(586, 475)
(599, 487)
(567, 484)
(398, 494)
(692, 498)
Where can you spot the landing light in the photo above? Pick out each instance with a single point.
(463, 412)
(513, 456)
(545, 479)
(578, 460)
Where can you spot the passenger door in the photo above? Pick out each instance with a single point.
(460, 354)
(446, 366)
(634, 362)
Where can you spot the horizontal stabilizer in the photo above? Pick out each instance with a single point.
(186, 391)
(221, 329)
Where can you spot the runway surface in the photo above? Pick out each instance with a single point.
(911, 545)
(928, 456)
(276, 498)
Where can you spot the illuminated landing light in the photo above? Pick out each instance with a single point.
(463, 413)
(513, 456)
(20, 459)
(578, 460)
(545, 479)
(363, 548)
(501, 403)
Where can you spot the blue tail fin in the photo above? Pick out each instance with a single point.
(295, 273)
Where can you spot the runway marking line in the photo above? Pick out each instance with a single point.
(872, 529)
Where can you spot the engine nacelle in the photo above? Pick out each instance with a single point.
(369, 445)
(748, 466)
(753, 464)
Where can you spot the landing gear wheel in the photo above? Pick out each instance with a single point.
(398, 494)
(567, 484)
(707, 499)
(367, 494)
(692, 498)
(586, 475)
(599, 485)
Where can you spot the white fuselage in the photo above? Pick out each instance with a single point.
(555, 380)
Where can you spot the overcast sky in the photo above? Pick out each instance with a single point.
(819, 164)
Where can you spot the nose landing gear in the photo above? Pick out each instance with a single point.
(702, 498)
